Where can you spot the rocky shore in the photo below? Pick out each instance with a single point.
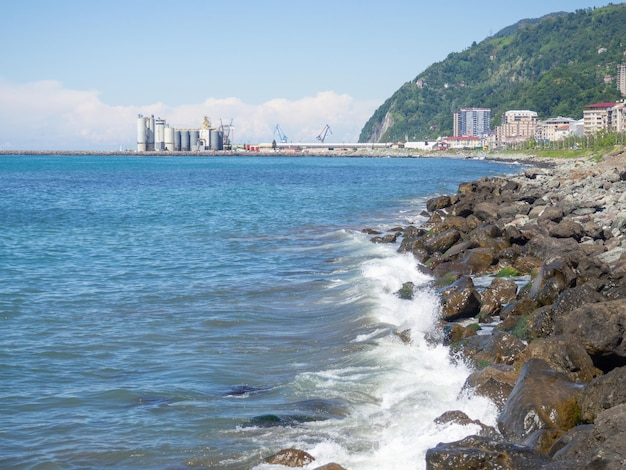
(547, 335)
(531, 269)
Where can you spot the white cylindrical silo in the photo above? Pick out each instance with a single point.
(142, 124)
(159, 134)
(150, 134)
(177, 141)
(214, 142)
(184, 140)
(194, 135)
(169, 138)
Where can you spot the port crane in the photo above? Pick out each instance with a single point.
(227, 132)
(322, 135)
(281, 134)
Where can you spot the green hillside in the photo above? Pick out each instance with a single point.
(554, 65)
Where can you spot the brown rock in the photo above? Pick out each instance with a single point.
(330, 466)
(483, 453)
(541, 399)
(436, 203)
(498, 348)
(602, 393)
(460, 300)
(501, 291)
(564, 354)
(443, 241)
(495, 382)
(290, 458)
(601, 329)
(479, 260)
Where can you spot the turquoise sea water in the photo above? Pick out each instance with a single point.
(206, 312)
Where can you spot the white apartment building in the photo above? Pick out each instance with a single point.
(517, 126)
(604, 116)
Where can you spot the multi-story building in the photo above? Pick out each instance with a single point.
(602, 116)
(517, 126)
(621, 78)
(556, 129)
(472, 122)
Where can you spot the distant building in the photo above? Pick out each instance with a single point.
(156, 135)
(463, 142)
(557, 129)
(621, 78)
(517, 126)
(472, 122)
(603, 116)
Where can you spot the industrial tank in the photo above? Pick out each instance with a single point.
(169, 138)
(142, 127)
(159, 134)
(216, 140)
(194, 135)
(177, 140)
(184, 140)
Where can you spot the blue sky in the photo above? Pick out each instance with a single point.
(75, 73)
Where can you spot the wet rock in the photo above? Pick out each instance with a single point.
(458, 417)
(437, 203)
(443, 241)
(500, 292)
(476, 452)
(330, 466)
(460, 300)
(541, 399)
(498, 348)
(290, 458)
(495, 382)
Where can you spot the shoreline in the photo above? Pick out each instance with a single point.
(551, 354)
(554, 361)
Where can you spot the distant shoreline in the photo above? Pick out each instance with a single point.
(358, 153)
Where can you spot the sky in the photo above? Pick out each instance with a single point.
(75, 74)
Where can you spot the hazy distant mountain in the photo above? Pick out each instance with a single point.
(553, 65)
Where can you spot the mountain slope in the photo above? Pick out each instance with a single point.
(554, 65)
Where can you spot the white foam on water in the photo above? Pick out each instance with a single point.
(395, 389)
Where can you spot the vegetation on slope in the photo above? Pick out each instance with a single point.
(554, 65)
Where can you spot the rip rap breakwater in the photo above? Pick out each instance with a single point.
(551, 353)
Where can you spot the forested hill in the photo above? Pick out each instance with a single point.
(554, 65)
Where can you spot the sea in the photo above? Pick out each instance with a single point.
(194, 312)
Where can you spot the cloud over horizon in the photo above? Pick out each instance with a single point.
(44, 115)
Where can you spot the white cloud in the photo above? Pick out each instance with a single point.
(45, 115)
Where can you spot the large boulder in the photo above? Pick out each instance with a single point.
(602, 393)
(460, 300)
(555, 276)
(564, 354)
(598, 446)
(443, 241)
(541, 399)
(500, 292)
(600, 328)
(485, 453)
(498, 348)
(495, 382)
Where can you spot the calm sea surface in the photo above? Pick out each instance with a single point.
(206, 312)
